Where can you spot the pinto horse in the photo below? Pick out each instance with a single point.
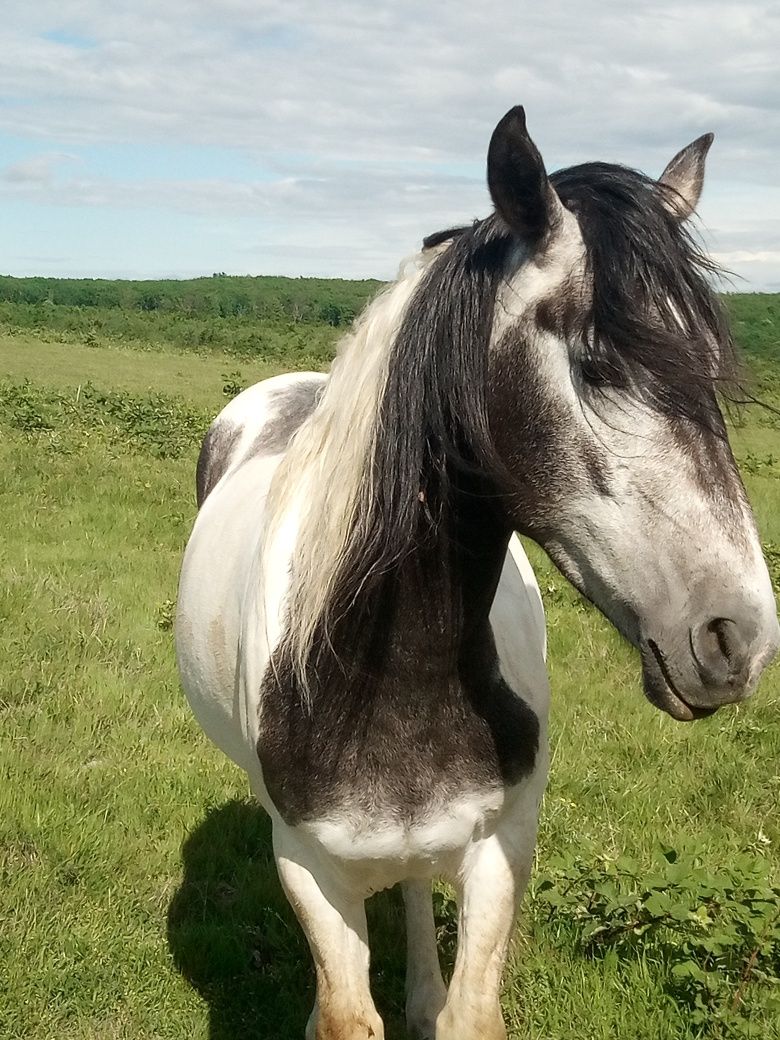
(358, 627)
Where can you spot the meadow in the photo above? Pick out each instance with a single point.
(139, 897)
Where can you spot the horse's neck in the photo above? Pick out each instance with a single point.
(435, 610)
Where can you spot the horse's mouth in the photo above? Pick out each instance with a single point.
(660, 689)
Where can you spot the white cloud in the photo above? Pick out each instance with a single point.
(357, 109)
(35, 173)
(379, 81)
(747, 256)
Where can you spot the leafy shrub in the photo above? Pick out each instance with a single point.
(772, 557)
(156, 424)
(766, 465)
(166, 614)
(25, 408)
(716, 937)
(232, 383)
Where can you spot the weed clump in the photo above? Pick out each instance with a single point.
(716, 937)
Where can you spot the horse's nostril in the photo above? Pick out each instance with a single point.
(726, 635)
(721, 648)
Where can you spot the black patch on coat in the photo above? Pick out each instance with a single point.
(407, 710)
(214, 457)
(293, 406)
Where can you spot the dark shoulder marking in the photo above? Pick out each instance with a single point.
(407, 707)
(293, 406)
(214, 457)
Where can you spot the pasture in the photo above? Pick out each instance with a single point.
(139, 897)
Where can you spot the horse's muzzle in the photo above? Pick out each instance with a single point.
(721, 664)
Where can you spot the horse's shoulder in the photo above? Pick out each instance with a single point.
(260, 421)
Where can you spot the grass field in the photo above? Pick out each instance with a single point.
(138, 896)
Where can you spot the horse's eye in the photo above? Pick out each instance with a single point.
(591, 374)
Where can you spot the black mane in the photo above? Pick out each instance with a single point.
(656, 325)
(433, 419)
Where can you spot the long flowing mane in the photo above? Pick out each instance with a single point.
(369, 475)
(405, 403)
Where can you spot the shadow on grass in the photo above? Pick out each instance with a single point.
(235, 939)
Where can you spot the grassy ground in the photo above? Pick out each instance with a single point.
(198, 379)
(138, 896)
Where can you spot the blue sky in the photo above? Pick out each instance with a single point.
(251, 136)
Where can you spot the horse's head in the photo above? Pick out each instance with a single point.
(608, 350)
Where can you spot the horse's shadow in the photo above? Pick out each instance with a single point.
(235, 939)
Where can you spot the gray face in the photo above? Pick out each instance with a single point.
(629, 484)
(648, 518)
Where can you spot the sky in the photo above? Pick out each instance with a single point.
(176, 139)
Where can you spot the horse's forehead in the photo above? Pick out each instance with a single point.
(554, 277)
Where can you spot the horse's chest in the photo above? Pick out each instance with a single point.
(415, 765)
(380, 848)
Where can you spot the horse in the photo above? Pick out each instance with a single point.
(358, 626)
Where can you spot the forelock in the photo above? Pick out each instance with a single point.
(653, 319)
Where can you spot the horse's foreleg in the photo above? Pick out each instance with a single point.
(425, 990)
(334, 922)
(493, 880)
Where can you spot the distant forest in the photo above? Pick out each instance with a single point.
(329, 301)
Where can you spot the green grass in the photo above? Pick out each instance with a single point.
(138, 896)
(198, 379)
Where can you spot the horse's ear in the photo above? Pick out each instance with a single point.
(684, 176)
(518, 182)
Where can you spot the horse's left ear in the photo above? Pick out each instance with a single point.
(518, 182)
(684, 176)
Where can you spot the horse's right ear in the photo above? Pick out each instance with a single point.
(518, 182)
(684, 177)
